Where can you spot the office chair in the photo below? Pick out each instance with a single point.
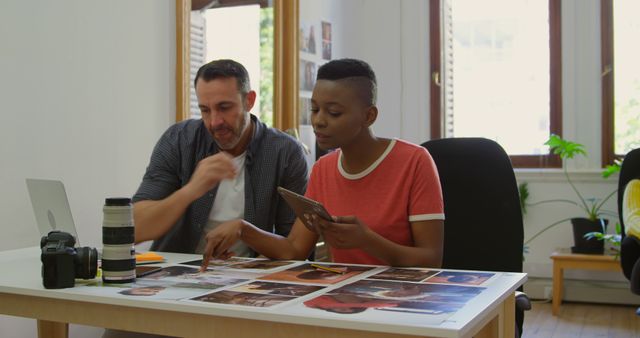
(483, 227)
(630, 246)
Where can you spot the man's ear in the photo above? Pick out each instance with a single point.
(371, 115)
(250, 100)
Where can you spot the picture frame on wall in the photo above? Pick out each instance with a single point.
(307, 39)
(326, 40)
(304, 109)
(307, 75)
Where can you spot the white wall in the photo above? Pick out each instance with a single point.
(392, 36)
(86, 89)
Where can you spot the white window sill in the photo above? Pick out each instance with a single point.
(557, 175)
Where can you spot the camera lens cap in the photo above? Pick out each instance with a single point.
(117, 201)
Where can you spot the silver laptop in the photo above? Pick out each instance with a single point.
(51, 207)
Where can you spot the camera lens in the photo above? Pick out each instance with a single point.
(86, 262)
(118, 253)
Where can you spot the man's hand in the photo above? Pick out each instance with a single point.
(209, 172)
(345, 232)
(220, 239)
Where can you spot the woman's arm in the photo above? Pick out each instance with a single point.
(296, 246)
(349, 232)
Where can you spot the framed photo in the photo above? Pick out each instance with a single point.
(304, 109)
(307, 38)
(326, 40)
(307, 75)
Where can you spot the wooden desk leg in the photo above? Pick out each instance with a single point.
(47, 329)
(504, 324)
(558, 277)
(508, 318)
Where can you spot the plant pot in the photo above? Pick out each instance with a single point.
(582, 226)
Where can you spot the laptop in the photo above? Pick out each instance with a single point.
(51, 207)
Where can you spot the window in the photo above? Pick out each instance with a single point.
(209, 42)
(283, 40)
(496, 74)
(620, 78)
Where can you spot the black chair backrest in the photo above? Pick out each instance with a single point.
(630, 169)
(483, 227)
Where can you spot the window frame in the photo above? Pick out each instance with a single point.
(285, 49)
(555, 86)
(607, 78)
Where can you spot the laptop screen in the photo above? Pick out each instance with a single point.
(51, 207)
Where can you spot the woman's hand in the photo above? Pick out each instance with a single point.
(345, 232)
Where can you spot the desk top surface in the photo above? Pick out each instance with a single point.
(431, 302)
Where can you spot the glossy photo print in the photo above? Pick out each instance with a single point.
(404, 274)
(306, 273)
(461, 277)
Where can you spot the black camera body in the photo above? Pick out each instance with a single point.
(62, 263)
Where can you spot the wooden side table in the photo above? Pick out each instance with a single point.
(566, 260)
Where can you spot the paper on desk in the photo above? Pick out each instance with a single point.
(148, 257)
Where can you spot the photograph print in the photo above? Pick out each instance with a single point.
(274, 288)
(243, 298)
(404, 274)
(306, 273)
(259, 265)
(218, 262)
(172, 271)
(461, 277)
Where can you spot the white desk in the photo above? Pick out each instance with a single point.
(490, 314)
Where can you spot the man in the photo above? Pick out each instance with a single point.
(222, 169)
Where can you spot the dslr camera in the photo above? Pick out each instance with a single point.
(62, 263)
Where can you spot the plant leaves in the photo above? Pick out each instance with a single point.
(566, 149)
(610, 170)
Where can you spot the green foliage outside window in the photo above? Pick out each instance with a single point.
(266, 65)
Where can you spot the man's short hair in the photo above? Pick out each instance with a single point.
(225, 68)
(357, 72)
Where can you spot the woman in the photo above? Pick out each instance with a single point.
(384, 193)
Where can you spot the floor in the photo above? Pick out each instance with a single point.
(581, 320)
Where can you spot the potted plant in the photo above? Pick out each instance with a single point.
(593, 220)
(614, 239)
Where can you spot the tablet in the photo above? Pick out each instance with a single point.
(304, 207)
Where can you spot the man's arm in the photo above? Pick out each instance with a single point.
(153, 219)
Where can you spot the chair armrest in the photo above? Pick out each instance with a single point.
(523, 303)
